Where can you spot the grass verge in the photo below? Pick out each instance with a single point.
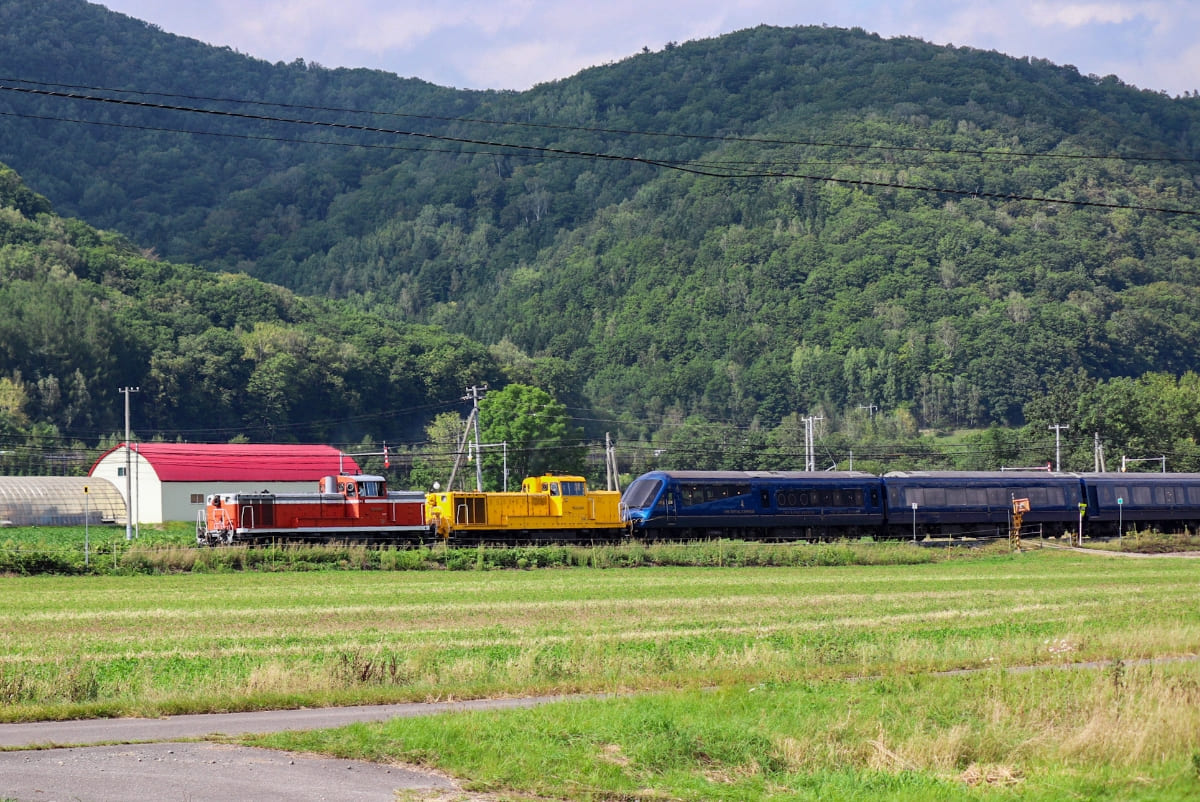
(1117, 733)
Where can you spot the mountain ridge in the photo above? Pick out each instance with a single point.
(751, 236)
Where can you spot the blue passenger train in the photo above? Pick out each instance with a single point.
(796, 505)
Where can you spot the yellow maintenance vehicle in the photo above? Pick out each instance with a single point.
(550, 508)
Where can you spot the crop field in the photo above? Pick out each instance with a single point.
(727, 683)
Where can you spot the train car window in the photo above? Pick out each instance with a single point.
(1193, 492)
(935, 496)
(703, 494)
(913, 495)
(764, 498)
(1111, 493)
(1141, 494)
(554, 488)
(975, 496)
(998, 497)
(574, 489)
(796, 498)
(874, 497)
(370, 489)
(1165, 495)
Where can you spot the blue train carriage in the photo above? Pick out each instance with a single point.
(1124, 502)
(980, 503)
(754, 505)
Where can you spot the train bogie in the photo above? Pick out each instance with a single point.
(548, 508)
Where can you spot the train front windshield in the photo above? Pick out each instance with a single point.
(641, 494)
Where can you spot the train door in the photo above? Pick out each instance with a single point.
(258, 513)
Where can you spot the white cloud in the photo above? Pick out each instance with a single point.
(513, 44)
(1074, 15)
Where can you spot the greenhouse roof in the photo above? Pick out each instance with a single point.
(58, 501)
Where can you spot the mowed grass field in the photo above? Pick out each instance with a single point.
(727, 683)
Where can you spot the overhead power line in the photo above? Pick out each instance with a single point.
(979, 152)
(694, 168)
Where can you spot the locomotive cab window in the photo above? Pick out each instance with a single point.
(641, 493)
(574, 489)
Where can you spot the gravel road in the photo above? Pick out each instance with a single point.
(142, 759)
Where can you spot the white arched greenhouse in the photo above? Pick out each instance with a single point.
(59, 501)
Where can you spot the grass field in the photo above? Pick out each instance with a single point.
(736, 683)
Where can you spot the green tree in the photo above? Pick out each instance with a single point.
(436, 461)
(537, 431)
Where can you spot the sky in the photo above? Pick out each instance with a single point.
(515, 44)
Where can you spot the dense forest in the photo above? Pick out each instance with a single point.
(693, 247)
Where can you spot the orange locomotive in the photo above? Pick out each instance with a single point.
(355, 508)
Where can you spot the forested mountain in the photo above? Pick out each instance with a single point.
(213, 356)
(775, 221)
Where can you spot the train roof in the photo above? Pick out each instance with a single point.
(1125, 477)
(976, 474)
(730, 476)
(984, 476)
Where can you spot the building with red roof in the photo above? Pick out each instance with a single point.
(169, 481)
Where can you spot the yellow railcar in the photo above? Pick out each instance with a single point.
(548, 508)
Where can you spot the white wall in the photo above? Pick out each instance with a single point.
(155, 501)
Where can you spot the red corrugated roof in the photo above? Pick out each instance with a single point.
(240, 462)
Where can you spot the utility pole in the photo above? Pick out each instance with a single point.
(1098, 449)
(474, 393)
(810, 456)
(1058, 427)
(462, 448)
(128, 473)
(610, 463)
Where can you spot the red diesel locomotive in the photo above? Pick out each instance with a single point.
(358, 508)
